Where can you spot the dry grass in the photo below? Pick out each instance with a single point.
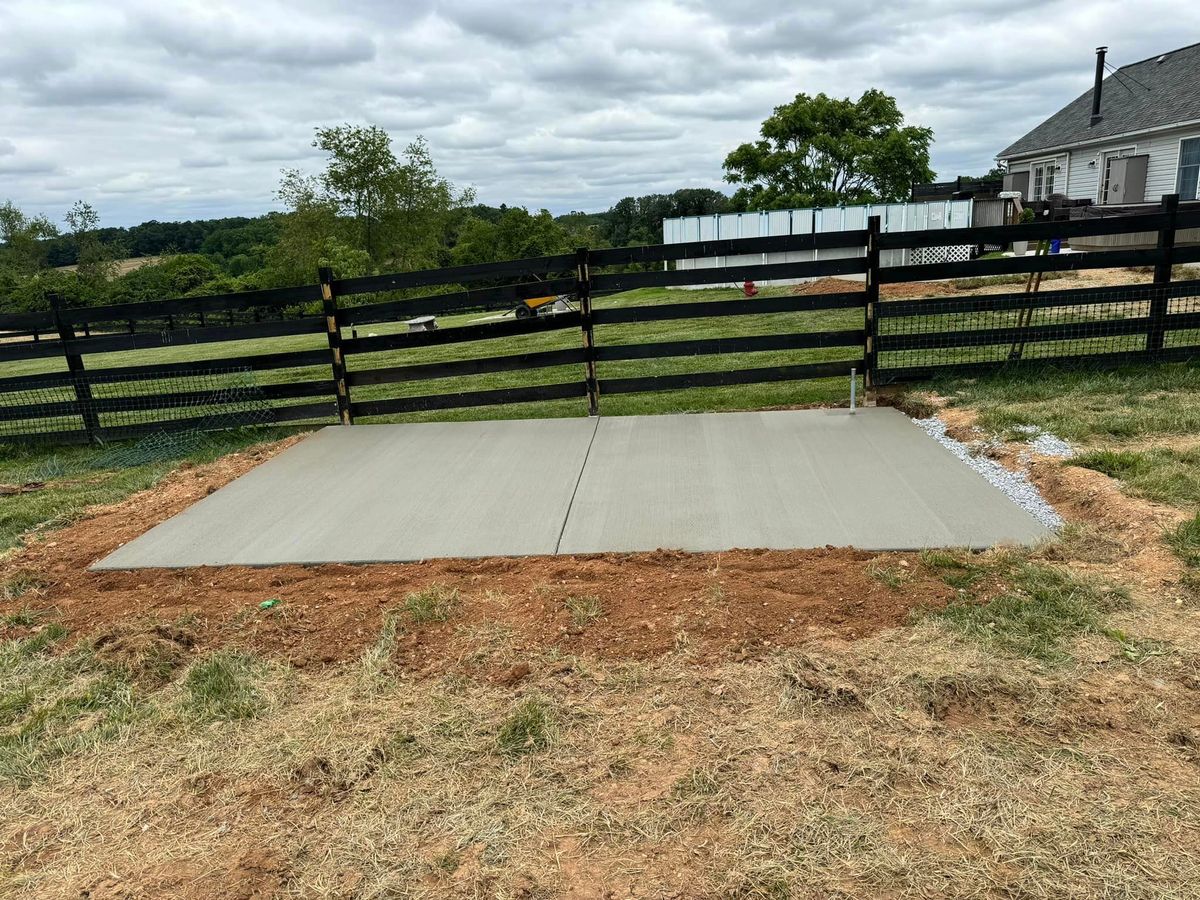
(895, 767)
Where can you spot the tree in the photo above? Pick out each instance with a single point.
(514, 235)
(394, 212)
(359, 173)
(638, 220)
(94, 259)
(23, 237)
(821, 151)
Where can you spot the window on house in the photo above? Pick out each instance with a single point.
(1189, 169)
(1043, 180)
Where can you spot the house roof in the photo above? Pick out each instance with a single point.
(1158, 92)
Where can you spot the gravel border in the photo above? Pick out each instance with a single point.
(1015, 485)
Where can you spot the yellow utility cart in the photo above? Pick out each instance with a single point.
(527, 309)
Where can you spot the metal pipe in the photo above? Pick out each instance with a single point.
(1096, 117)
(853, 389)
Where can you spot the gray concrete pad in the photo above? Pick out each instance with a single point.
(393, 493)
(383, 493)
(782, 480)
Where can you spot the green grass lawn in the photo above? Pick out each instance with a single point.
(1086, 405)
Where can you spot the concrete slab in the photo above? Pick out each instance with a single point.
(782, 480)
(383, 493)
(393, 493)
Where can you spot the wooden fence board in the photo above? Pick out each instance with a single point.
(720, 346)
(470, 398)
(481, 332)
(757, 306)
(427, 371)
(731, 274)
(735, 376)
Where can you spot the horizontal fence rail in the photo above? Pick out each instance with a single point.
(462, 336)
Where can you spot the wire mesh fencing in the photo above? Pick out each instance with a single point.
(915, 337)
(110, 406)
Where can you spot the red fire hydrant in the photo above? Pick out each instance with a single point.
(749, 288)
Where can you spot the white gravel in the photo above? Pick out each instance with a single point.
(1016, 485)
(1043, 443)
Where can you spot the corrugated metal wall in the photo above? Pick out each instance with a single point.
(893, 217)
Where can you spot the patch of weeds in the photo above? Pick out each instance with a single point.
(20, 584)
(696, 784)
(955, 568)
(148, 654)
(696, 791)
(813, 679)
(1043, 607)
(1162, 474)
(222, 688)
(619, 767)
(584, 610)
(435, 603)
(375, 660)
(892, 574)
(1135, 650)
(22, 618)
(1082, 543)
(44, 637)
(766, 884)
(916, 405)
(529, 726)
(1184, 540)
(54, 705)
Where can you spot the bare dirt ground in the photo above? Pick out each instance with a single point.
(917, 289)
(748, 724)
(738, 603)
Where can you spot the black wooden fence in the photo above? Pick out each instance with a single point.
(345, 377)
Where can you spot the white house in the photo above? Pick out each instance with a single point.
(1131, 139)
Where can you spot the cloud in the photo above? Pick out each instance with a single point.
(192, 108)
(275, 36)
(203, 162)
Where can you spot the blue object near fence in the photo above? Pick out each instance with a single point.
(1055, 245)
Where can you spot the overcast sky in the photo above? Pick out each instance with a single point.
(174, 110)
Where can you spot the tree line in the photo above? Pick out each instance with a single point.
(376, 208)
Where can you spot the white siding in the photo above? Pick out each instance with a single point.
(1083, 180)
(894, 217)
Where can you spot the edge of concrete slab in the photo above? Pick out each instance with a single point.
(561, 543)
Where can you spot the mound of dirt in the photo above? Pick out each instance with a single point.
(613, 605)
(910, 291)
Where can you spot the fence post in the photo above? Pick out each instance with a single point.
(871, 298)
(333, 331)
(583, 293)
(1162, 276)
(83, 390)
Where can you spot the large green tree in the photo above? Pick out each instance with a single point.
(516, 234)
(368, 208)
(23, 238)
(823, 151)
